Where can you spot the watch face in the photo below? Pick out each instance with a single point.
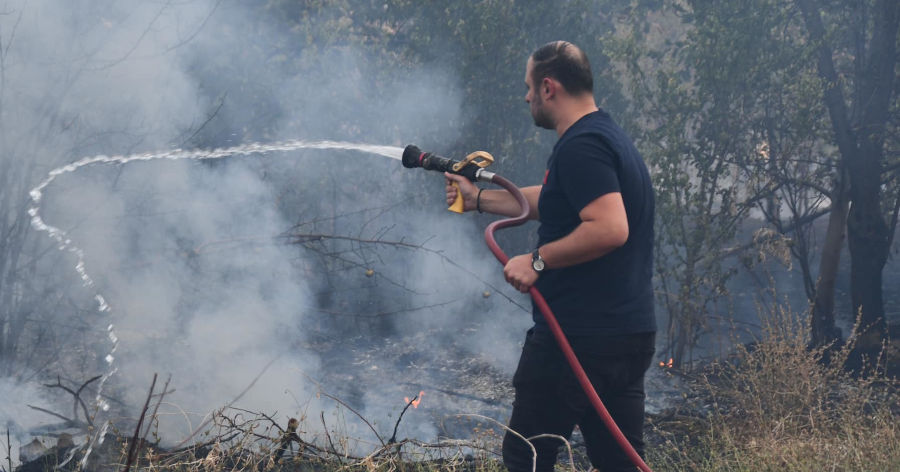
(538, 264)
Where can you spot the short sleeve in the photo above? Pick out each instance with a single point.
(587, 170)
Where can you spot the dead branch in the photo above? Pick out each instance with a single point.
(399, 418)
(301, 238)
(68, 421)
(220, 439)
(8, 450)
(250, 431)
(162, 394)
(237, 428)
(452, 393)
(133, 449)
(232, 423)
(328, 437)
(385, 313)
(77, 397)
(113, 62)
(232, 402)
(358, 415)
(209, 118)
(452, 443)
(287, 438)
(514, 433)
(564, 441)
(271, 420)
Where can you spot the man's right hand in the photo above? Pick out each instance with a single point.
(468, 189)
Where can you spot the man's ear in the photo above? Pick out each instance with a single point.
(548, 88)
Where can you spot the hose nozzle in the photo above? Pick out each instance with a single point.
(469, 167)
(414, 157)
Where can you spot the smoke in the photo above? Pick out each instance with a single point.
(194, 258)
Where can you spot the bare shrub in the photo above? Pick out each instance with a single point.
(777, 405)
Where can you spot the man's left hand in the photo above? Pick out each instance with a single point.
(519, 273)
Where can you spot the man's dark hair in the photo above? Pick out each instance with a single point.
(565, 62)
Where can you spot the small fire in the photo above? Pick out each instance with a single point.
(415, 401)
(667, 365)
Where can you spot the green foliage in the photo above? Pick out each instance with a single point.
(727, 107)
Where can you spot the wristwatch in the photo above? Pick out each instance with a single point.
(537, 263)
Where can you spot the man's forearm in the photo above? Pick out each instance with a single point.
(590, 240)
(501, 202)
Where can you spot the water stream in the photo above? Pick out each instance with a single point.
(64, 243)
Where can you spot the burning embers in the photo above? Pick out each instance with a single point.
(416, 400)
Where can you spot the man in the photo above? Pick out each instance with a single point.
(593, 264)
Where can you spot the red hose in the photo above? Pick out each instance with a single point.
(554, 325)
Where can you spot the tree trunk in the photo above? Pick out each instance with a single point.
(868, 232)
(867, 236)
(823, 330)
(861, 145)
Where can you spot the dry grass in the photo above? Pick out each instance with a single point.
(775, 406)
(240, 440)
(772, 406)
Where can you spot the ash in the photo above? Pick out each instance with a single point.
(374, 376)
(455, 379)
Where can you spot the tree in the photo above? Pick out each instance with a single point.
(690, 112)
(868, 35)
(764, 77)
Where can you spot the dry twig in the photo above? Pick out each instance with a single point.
(133, 449)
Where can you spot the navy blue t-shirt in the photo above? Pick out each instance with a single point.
(611, 295)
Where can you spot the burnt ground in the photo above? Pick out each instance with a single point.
(362, 371)
(456, 380)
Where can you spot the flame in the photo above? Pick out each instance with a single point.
(415, 401)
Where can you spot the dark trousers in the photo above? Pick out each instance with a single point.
(549, 399)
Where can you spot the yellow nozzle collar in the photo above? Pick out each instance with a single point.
(479, 158)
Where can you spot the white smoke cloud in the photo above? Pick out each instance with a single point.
(187, 253)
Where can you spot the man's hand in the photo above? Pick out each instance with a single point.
(468, 189)
(519, 273)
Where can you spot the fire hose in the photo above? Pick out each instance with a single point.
(472, 167)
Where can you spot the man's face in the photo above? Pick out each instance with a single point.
(539, 113)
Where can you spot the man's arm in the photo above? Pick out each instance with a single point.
(499, 202)
(603, 228)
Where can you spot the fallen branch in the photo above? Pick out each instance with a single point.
(564, 440)
(514, 433)
(358, 415)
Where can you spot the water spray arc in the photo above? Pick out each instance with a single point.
(414, 157)
(65, 243)
(472, 167)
